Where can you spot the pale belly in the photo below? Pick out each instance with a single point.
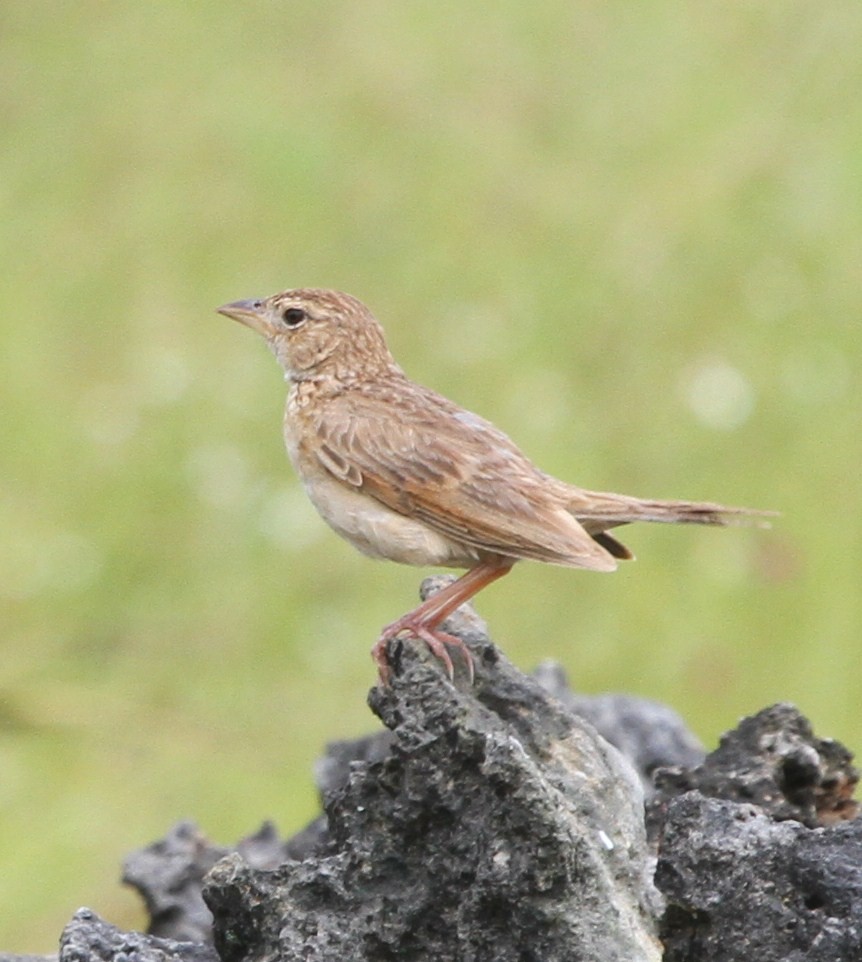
(379, 532)
(366, 523)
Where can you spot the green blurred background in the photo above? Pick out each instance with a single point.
(630, 234)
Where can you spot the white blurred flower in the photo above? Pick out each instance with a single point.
(719, 395)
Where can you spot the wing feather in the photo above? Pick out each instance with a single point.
(422, 456)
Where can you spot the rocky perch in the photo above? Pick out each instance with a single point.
(515, 820)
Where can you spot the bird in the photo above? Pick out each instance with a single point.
(406, 475)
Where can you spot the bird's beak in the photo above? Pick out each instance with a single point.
(250, 313)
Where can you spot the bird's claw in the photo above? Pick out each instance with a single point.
(437, 642)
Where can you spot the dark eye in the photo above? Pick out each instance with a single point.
(293, 316)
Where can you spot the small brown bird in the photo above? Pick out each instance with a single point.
(404, 474)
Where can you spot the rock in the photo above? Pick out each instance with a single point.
(774, 760)
(741, 886)
(495, 826)
(169, 876)
(650, 735)
(492, 821)
(331, 774)
(87, 938)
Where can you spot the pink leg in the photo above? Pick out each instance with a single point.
(423, 621)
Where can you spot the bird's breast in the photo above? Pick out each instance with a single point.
(370, 526)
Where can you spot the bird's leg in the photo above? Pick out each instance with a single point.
(423, 621)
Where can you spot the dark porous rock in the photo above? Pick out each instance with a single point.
(650, 735)
(331, 774)
(87, 938)
(494, 821)
(774, 760)
(496, 826)
(742, 886)
(169, 876)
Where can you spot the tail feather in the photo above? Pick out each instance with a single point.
(612, 546)
(597, 511)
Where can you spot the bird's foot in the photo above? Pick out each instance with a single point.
(437, 641)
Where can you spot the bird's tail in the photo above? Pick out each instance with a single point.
(598, 511)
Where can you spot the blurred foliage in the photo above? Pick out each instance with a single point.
(630, 234)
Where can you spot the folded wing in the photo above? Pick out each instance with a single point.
(455, 472)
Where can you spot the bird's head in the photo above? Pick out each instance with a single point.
(316, 333)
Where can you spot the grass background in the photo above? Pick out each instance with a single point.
(630, 234)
